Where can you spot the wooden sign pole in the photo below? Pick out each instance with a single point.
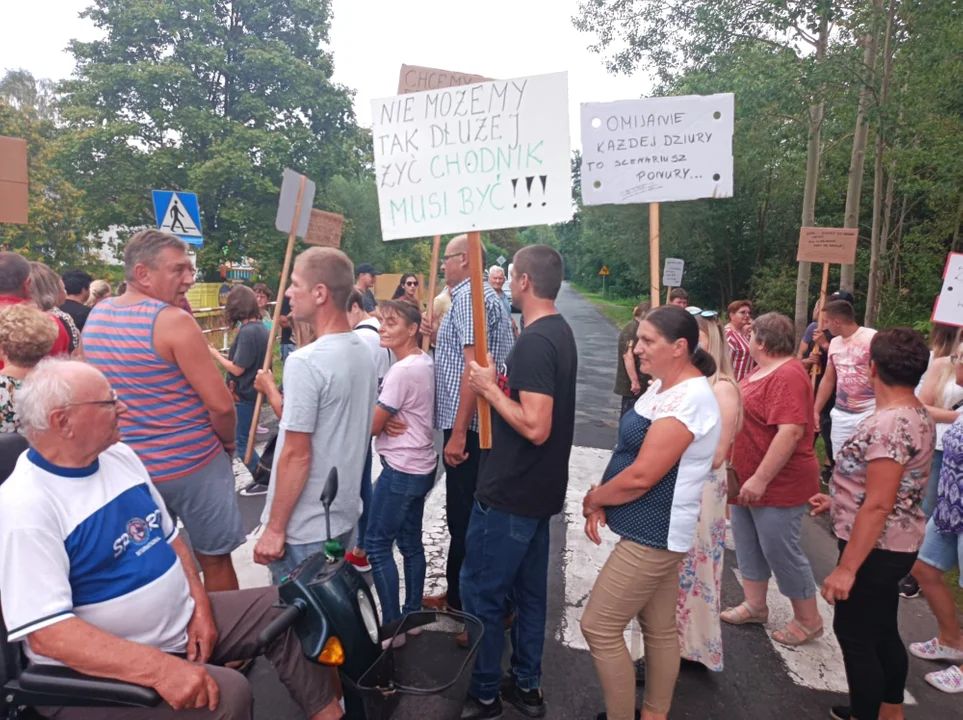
(815, 369)
(276, 320)
(480, 326)
(435, 252)
(654, 254)
(668, 291)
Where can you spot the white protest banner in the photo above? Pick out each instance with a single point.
(478, 157)
(653, 150)
(949, 305)
(672, 272)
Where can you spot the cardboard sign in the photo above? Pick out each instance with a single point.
(949, 305)
(324, 229)
(657, 149)
(14, 189)
(836, 246)
(415, 78)
(178, 213)
(479, 157)
(672, 272)
(290, 183)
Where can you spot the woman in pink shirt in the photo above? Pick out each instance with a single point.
(737, 337)
(405, 441)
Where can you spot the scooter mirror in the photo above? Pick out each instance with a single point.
(330, 489)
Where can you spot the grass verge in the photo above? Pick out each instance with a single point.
(618, 310)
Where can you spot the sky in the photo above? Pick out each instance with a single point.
(499, 39)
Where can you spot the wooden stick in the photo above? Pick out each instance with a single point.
(480, 326)
(276, 321)
(816, 352)
(668, 291)
(435, 252)
(654, 254)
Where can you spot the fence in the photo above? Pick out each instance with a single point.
(212, 325)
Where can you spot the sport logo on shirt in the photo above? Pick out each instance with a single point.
(503, 380)
(138, 532)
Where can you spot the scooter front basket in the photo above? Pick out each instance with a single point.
(426, 678)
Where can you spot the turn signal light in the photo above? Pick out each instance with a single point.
(333, 653)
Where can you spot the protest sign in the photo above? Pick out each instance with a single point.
(415, 78)
(324, 229)
(478, 157)
(949, 305)
(651, 150)
(672, 272)
(833, 246)
(291, 196)
(14, 190)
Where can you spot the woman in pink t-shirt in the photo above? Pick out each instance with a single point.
(405, 441)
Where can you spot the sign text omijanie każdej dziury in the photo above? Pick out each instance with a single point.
(657, 149)
(477, 157)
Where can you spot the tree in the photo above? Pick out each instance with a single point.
(215, 97)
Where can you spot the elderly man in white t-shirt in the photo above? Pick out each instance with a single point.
(93, 574)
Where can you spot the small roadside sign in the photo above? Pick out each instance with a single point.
(604, 271)
(501, 260)
(179, 214)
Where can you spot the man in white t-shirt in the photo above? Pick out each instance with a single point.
(330, 389)
(94, 576)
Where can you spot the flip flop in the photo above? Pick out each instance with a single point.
(743, 614)
(789, 637)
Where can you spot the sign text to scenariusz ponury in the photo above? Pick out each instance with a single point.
(478, 157)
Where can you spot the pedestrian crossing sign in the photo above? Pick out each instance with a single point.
(179, 214)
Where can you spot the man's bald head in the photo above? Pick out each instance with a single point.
(456, 263)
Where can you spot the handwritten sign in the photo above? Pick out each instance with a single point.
(324, 229)
(657, 149)
(949, 305)
(478, 157)
(672, 272)
(417, 79)
(836, 246)
(14, 190)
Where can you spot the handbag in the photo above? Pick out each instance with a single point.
(732, 479)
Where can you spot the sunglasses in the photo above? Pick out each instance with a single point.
(702, 313)
(411, 283)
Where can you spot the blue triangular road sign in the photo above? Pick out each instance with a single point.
(178, 213)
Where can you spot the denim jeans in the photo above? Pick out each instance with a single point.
(365, 499)
(287, 349)
(506, 559)
(245, 416)
(294, 555)
(932, 485)
(397, 510)
(460, 483)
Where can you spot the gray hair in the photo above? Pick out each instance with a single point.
(45, 286)
(45, 390)
(14, 271)
(145, 247)
(776, 333)
(499, 268)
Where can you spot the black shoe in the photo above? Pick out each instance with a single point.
(477, 710)
(254, 489)
(908, 587)
(639, 673)
(685, 664)
(827, 474)
(529, 703)
(604, 716)
(840, 712)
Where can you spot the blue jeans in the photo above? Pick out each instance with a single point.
(932, 485)
(287, 349)
(245, 416)
(294, 555)
(506, 559)
(397, 510)
(365, 499)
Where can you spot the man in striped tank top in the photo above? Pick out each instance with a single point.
(180, 418)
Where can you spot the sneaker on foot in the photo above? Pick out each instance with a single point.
(529, 703)
(254, 489)
(435, 602)
(908, 587)
(934, 650)
(261, 430)
(949, 680)
(840, 712)
(605, 716)
(359, 561)
(477, 710)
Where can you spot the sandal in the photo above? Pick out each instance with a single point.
(744, 615)
(795, 634)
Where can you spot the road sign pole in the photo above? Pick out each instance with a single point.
(654, 254)
(603, 285)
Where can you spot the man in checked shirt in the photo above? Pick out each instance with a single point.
(455, 403)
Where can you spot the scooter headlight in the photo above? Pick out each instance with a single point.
(369, 615)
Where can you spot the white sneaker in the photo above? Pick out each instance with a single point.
(949, 680)
(934, 650)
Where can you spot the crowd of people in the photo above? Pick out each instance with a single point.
(718, 424)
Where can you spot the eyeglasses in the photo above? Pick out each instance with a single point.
(112, 402)
(446, 258)
(411, 283)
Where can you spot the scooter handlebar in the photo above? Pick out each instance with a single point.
(292, 613)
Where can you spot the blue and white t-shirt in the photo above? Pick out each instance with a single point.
(666, 516)
(92, 543)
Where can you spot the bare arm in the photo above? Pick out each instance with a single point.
(826, 388)
(531, 417)
(178, 340)
(381, 416)
(290, 479)
(264, 384)
(232, 368)
(628, 360)
(728, 398)
(929, 391)
(883, 477)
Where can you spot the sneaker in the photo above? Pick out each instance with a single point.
(529, 703)
(934, 650)
(477, 710)
(840, 712)
(605, 716)
(261, 430)
(435, 602)
(949, 680)
(254, 489)
(908, 587)
(359, 561)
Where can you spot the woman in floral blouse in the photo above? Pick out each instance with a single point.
(876, 497)
(26, 337)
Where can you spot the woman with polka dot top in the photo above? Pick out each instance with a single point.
(650, 496)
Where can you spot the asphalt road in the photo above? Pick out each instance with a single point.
(759, 681)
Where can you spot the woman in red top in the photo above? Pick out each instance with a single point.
(737, 336)
(778, 473)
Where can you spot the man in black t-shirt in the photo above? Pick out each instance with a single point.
(521, 485)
